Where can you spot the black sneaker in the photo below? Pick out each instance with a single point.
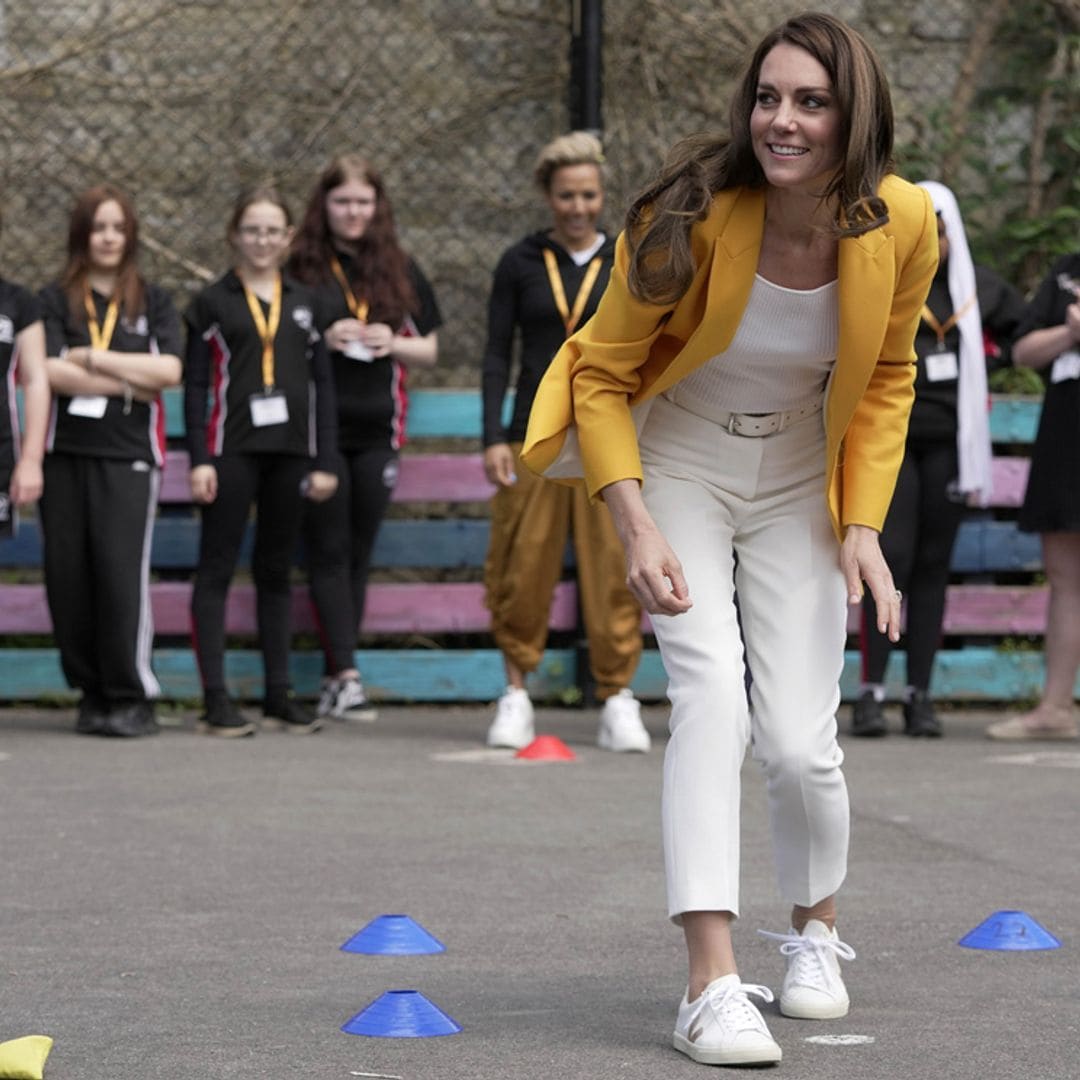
(90, 719)
(224, 719)
(920, 718)
(130, 720)
(287, 715)
(868, 717)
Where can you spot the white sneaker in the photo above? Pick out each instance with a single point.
(344, 699)
(513, 723)
(723, 1026)
(621, 728)
(813, 986)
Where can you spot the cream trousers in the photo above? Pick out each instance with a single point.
(748, 515)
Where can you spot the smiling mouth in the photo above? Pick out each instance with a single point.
(787, 151)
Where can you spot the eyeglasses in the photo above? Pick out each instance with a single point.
(262, 232)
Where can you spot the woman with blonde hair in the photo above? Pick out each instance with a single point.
(546, 286)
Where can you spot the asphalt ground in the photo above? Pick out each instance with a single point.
(174, 907)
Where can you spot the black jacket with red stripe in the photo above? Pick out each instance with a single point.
(223, 371)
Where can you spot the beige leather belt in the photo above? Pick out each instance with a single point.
(749, 425)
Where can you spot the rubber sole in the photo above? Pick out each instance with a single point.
(760, 1056)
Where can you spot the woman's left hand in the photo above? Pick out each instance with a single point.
(861, 560)
(379, 338)
(320, 485)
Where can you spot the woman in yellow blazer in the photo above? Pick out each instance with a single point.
(740, 402)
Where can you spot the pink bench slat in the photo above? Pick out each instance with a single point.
(392, 608)
(423, 478)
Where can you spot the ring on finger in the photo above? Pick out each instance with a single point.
(898, 595)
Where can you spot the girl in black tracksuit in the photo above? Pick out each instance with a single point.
(113, 342)
(379, 317)
(259, 414)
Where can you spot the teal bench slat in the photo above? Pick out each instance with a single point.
(403, 675)
(456, 414)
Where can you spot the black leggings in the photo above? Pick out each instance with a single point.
(272, 482)
(917, 542)
(339, 536)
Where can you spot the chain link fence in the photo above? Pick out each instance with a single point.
(184, 102)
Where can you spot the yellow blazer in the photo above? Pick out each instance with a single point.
(631, 351)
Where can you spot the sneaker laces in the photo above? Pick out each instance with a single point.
(731, 998)
(807, 955)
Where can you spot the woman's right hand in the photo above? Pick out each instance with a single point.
(339, 334)
(653, 572)
(499, 464)
(203, 484)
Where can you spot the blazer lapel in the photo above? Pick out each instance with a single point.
(865, 271)
(735, 254)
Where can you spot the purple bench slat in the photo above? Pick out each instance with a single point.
(460, 478)
(423, 478)
(392, 608)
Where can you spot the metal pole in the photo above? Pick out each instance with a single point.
(586, 65)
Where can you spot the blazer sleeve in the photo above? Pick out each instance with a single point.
(590, 381)
(873, 447)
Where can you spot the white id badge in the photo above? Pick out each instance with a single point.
(942, 366)
(268, 409)
(1066, 366)
(90, 406)
(357, 350)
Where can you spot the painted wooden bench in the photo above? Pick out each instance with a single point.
(433, 612)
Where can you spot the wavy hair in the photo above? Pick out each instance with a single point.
(130, 288)
(659, 221)
(576, 148)
(380, 267)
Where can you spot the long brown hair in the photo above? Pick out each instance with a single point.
(659, 221)
(130, 289)
(379, 272)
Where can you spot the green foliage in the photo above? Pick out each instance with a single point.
(1016, 380)
(1030, 76)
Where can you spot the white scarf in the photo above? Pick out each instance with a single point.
(973, 414)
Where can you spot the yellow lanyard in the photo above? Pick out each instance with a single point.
(570, 318)
(267, 329)
(941, 329)
(359, 308)
(101, 337)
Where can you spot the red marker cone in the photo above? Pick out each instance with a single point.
(546, 748)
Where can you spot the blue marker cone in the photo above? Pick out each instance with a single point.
(401, 1014)
(1009, 931)
(393, 935)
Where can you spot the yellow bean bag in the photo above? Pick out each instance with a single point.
(24, 1059)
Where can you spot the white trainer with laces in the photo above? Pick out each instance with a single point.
(621, 728)
(344, 699)
(813, 986)
(723, 1026)
(513, 725)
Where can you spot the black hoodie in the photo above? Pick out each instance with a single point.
(521, 300)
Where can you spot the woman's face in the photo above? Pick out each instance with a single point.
(576, 197)
(108, 240)
(349, 209)
(796, 121)
(262, 236)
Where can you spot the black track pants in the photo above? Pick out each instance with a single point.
(97, 515)
(272, 482)
(917, 542)
(339, 536)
